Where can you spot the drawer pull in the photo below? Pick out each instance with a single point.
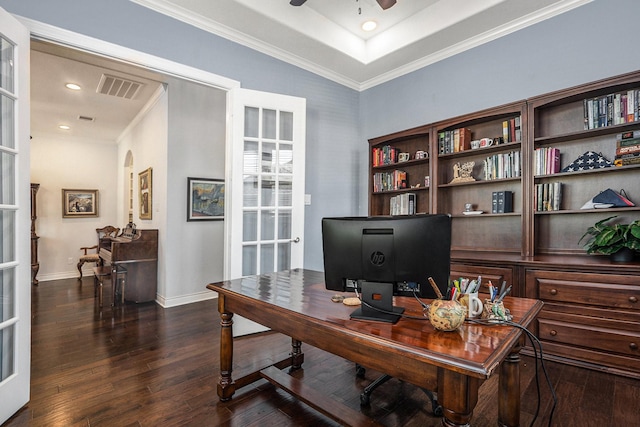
(553, 333)
(553, 292)
(633, 346)
(633, 299)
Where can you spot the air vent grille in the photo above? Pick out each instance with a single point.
(118, 87)
(86, 118)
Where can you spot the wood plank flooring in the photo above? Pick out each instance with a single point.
(141, 365)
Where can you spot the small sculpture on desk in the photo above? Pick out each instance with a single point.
(462, 172)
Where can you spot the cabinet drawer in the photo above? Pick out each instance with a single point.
(496, 274)
(604, 290)
(588, 336)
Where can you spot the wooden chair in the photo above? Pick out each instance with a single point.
(104, 233)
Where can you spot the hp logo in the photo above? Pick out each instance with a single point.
(377, 258)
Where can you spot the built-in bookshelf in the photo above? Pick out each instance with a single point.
(551, 156)
(562, 122)
(495, 155)
(400, 165)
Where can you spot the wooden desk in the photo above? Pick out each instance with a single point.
(455, 364)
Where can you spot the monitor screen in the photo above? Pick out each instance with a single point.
(401, 252)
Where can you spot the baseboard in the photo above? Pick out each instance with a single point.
(185, 299)
(63, 275)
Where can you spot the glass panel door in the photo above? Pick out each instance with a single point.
(267, 206)
(15, 289)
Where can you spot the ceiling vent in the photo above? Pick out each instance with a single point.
(118, 87)
(86, 119)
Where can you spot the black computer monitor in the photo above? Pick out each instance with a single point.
(386, 256)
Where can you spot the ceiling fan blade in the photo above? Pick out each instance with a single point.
(298, 2)
(384, 4)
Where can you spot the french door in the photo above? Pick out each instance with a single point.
(265, 180)
(15, 279)
(267, 183)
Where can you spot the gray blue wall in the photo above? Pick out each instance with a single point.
(591, 42)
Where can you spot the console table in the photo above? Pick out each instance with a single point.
(296, 303)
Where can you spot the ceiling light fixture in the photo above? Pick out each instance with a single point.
(369, 25)
(64, 127)
(72, 86)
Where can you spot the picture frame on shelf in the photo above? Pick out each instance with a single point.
(145, 193)
(79, 203)
(205, 199)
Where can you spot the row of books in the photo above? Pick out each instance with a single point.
(546, 160)
(512, 129)
(403, 204)
(386, 155)
(628, 148)
(454, 141)
(502, 201)
(548, 196)
(504, 165)
(612, 109)
(388, 181)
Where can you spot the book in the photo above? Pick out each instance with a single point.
(494, 202)
(504, 201)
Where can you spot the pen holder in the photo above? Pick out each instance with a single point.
(446, 315)
(495, 311)
(472, 303)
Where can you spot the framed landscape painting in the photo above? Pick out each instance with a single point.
(79, 203)
(205, 199)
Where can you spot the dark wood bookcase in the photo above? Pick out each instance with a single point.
(592, 306)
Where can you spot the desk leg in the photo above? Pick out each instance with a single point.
(458, 395)
(297, 356)
(226, 386)
(509, 390)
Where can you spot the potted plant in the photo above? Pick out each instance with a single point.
(620, 241)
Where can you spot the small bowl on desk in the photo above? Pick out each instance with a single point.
(446, 315)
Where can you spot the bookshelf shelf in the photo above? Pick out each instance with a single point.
(403, 190)
(483, 151)
(479, 182)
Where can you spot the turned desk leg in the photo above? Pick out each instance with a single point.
(458, 395)
(226, 386)
(509, 390)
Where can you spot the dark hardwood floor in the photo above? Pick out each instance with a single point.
(141, 365)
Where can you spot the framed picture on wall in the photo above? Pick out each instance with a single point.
(79, 203)
(145, 186)
(205, 199)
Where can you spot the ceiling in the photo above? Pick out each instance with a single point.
(52, 104)
(324, 36)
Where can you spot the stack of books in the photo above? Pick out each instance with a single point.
(612, 109)
(454, 141)
(512, 130)
(505, 165)
(548, 196)
(502, 202)
(627, 148)
(386, 155)
(389, 181)
(403, 204)
(547, 160)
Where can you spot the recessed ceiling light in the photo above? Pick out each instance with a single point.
(369, 25)
(64, 127)
(73, 86)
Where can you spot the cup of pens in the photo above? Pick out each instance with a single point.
(445, 314)
(494, 308)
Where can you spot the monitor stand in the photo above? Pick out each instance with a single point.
(377, 303)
